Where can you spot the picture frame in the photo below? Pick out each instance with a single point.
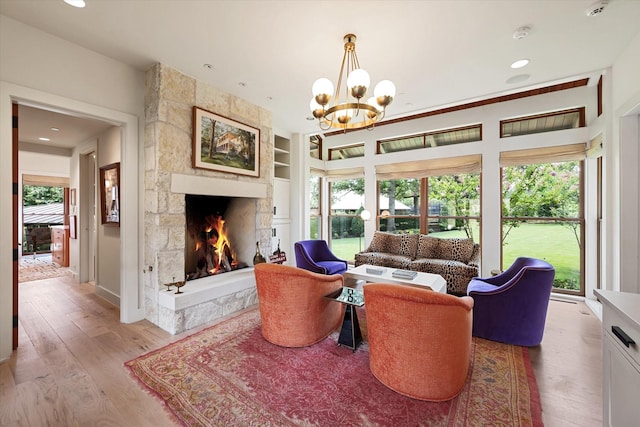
(110, 194)
(224, 145)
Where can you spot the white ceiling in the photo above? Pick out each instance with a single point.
(438, 53)
(35, 123)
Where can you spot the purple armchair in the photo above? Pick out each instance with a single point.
(512, 306)
(315, 255)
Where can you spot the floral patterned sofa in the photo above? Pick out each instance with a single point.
(456, 260)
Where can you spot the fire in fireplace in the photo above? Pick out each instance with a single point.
(209, 249)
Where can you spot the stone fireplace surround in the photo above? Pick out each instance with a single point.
(169, 175)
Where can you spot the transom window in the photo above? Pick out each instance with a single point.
(349, 152)
(539, 123)
(438, 138)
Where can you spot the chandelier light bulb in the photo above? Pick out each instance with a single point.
(384, 92)
(358, 82)
(385, 88)
(322, 90)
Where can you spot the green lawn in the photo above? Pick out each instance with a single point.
(552, 242)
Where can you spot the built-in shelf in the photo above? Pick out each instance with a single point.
(281, 226)
(281, 157)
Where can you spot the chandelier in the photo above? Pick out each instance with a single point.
(351, 111)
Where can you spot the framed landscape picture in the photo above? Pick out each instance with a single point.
(225, 145)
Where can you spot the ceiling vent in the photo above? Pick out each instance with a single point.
(596, 8)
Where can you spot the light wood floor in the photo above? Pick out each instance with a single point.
(68, 369)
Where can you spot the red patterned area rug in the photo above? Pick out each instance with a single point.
(228, 375)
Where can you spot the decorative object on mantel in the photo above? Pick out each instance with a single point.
(278, 257)
(258, 258)
(345, 113)
(179, 285)
(224, 145)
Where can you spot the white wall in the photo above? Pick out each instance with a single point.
(108, 274)
(623, 185)
(46, 71)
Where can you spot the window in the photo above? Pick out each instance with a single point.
(346, 228)
(454, 206)
(451, 188)
(349, 152)
(432, 139)
(399, 205)
(315, 216)
(315, 147)
(542, 217)
(548, 122)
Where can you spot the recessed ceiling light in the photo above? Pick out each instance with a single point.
(520, 63)
(75, 3)
(44, 139)
(55, 129)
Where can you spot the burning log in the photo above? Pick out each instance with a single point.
(213, 250)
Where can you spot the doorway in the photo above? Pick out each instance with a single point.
(44, 239)
(131, 275)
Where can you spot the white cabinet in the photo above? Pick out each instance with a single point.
(281, 198)
(281, 228)
(620, 358)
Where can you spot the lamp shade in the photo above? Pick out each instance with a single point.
(365, 215)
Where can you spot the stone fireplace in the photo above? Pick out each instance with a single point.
(170, 177)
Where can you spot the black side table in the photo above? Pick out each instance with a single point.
(350, 335)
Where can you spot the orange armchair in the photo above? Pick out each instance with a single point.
(419, 340)
(293, 310)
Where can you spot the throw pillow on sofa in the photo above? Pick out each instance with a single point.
(456, 249)
(403, 244)
(398, 244)
(428, 247)
(379, 242)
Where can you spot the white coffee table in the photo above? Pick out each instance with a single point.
(433, 281)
